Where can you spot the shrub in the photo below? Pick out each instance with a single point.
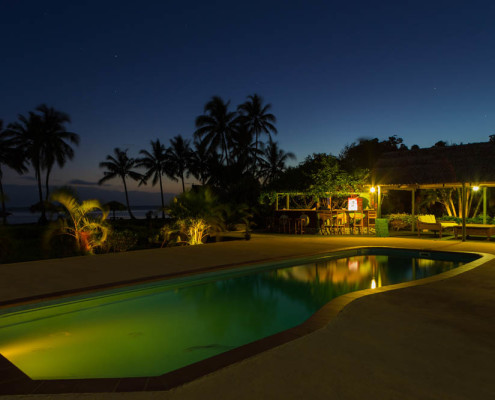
(400, 221)
(119, 241)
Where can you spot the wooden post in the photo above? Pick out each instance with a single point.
(463, 211)
(413, 206)
(287, 202)
(276, 201)
(379, 208)
(484, 204)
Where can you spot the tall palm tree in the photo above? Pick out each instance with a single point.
(273, 162)
(216, 127)
(200, 162)
(56, 141)
(180, 155)
(120, 166)
(244, 152)
(12, 157)
(27, 132)
(157, 164)
(255, 116)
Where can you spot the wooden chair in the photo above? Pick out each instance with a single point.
(340, 223)
(300, 223)
(284, 224)
(358, 223)
(370, 221)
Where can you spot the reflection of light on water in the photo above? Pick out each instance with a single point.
(353, 265)
(373, 284)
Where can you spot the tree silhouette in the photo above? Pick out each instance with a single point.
(11, 157)
(157, 164)
(273, 163)
(120, 166)
(255, 116)
(201, 161)
(28, 134)
(216, 127)
(179, 155)
(56, 139)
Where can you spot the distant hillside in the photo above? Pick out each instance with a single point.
(26, 195)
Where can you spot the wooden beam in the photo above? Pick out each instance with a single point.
(484, 204)
(413, 207)
(463, 211)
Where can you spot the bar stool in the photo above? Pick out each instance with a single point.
(358, 222)
(284, 224)
(300, 223)
(340, 222)
(370, 221)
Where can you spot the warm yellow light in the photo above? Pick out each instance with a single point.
(372, 189)
(373, 284)
(476, 188)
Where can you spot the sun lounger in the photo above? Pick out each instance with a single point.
(429, 222)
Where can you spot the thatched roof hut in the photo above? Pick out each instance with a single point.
(447, 166)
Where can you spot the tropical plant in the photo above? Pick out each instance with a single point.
(216, 127)
(11, 157)
(255, 116)
(179, 155)
(273, 163)
(56, 141)
(120, 166)
(88, 230)
(157, 164)
(119, 241)
(199, 203)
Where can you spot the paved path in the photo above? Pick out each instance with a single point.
(435, 341)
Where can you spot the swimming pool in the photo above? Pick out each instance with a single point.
(151, 329)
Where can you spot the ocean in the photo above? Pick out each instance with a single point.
(22, 215)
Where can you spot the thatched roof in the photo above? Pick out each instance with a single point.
(470, 163)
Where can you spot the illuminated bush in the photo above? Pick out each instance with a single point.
(84, 222)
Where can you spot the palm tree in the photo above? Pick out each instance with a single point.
(179, 155)
(56, 139)
(273, 163)
(88, 231)
(216, 127)
(244, 152)
(11, 157)
(200, 162)
(157, 164)
(255, 116)
(120, 166)
(28, 135)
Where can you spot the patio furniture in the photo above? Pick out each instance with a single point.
(357, 222)
(340, 222)
(284, 224)
(370, 221)
(300, 223)
(429, 222)
(476, 229)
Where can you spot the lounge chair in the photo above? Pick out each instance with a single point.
(429, 222)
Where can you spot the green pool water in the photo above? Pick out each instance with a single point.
(151, 329)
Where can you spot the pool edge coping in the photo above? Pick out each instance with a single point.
(19, 383)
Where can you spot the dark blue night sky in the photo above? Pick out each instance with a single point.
(129, 72)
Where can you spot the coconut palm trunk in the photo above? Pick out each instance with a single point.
(2, 196)
(43, 218)
(47, 188)
(161, 194)
(127, 200)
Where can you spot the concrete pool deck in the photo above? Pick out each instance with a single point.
(432, 341)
